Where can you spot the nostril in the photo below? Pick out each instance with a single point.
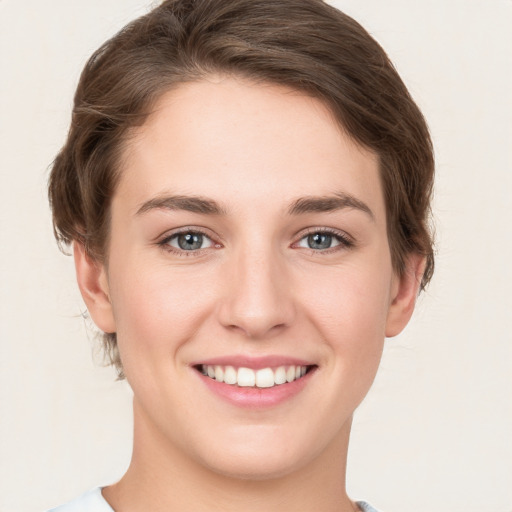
(256, 305)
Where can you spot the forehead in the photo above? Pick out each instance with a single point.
(215, 137)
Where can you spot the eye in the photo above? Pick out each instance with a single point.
(188, 241)
(324, 240)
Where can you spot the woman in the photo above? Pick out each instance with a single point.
(246, 187)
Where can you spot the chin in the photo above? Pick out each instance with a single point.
(254, 467)
(259, 455)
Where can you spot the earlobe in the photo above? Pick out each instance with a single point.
(92, 281)
(404, 293)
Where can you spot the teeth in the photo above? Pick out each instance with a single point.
(280, 375)
(219, 374)
(246, 377)
(230, 376)
(265, 378)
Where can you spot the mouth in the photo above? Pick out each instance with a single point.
(243, 377)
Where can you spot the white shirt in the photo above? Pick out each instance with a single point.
(93, 501)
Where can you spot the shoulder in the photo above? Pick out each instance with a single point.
(91, 501)
(365, 507)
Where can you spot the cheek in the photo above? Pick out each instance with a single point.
(350, 312)
(354, 297)
(157, 308)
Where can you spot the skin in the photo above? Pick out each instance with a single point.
(256, 287)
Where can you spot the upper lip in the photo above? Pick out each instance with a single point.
(253, 362)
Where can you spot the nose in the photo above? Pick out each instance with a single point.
(258, 301)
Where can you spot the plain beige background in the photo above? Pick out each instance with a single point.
(434, 433)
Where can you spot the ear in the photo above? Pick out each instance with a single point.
(92, 281)
(405, 289)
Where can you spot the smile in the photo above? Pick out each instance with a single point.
(249, 378)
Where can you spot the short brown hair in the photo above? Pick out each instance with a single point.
(306, 45)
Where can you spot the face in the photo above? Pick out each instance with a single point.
(249, 278)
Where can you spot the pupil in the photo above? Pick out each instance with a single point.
(319, 241)
(190, 241)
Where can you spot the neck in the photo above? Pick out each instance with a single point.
(161, 477)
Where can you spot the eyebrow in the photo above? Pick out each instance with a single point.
(309, 204)
(338, 201)
(195, 204)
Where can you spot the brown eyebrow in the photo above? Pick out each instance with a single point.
(193, 204)
(310, 204)
(329, 204)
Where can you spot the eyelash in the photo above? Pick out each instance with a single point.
(165, 242)
(344, 241)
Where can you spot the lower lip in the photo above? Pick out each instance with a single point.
(253, 397)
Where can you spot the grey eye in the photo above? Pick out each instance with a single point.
(190, 241)
(319, 241)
